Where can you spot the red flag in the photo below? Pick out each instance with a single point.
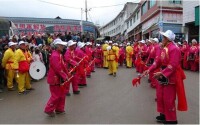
(136, 81)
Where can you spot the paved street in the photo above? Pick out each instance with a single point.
(106, 100)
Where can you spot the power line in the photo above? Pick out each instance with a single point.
(59, 4)
(107, 6)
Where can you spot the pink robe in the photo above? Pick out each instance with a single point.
(98, 55)
(184, 52)
(71, 63)
(81, 74)
(191, 58)
(169, 61)
(89, 53)
(121, 56)
(57, 71)
(154, 53)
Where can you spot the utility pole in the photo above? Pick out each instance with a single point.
(86, 11)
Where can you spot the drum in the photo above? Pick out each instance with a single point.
(37, 70)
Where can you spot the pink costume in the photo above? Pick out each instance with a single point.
(153, 55)
(191, 57)
(121, 56)
(184, 53)
(71, 63)
(89, 52)
(143, 56)
(57, 71)
(169, 62)
(81, 67)
(98, 54)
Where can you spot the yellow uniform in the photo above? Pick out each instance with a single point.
(105, 54)
(27, 77)
(129, 53)
(112, 67)
(117, 54)
(21, 80)
(7, 63)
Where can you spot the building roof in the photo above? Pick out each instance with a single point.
(47, 20)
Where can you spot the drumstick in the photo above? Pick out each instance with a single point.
(77, 65)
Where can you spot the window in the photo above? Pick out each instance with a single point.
(138, 14)
(144, 8)
(131, 22)
(127, 24)
(152, 3)
(134, 18)
(175, 1)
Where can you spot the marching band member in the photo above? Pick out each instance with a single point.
(89, 53)
(192, 55)
(57, 73)
(105, 54)
(121, 55)
(115, 45)
(111, 59)
(7, 63)
(129, 53)
(21, 64)
(98, 54)
(171, 80)
(30, 59)
(142, 56)
(153, 55)
(70, 59)
(184, 52)
(82, 59)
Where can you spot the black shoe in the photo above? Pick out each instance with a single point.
(68, 94)
(76, 92)
(60, 112)
(82, 85)
(160, 118)
(93, 71)
(114, 74)
(50, 114)
(110, 74)
(170, 122)
(11, 89)
(23, 93)
(88, 76)
(30, 89)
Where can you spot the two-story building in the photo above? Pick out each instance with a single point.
(161, 16)
(191, 20)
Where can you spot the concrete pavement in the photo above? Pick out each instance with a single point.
(106, 100)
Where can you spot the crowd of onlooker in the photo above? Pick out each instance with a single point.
(39, 47)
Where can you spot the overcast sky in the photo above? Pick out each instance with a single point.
(38, 8)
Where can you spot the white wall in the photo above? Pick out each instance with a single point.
(189, 10)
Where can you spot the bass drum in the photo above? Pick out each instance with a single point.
(37, 70)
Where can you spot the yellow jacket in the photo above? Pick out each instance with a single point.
(104, 48)
(117, 50)
(8, 59)
(129, 51)
(49, 40)
(112, 54)
(28, 56)
(19, 56)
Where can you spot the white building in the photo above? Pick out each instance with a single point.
(190, 28)
(117, 26)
